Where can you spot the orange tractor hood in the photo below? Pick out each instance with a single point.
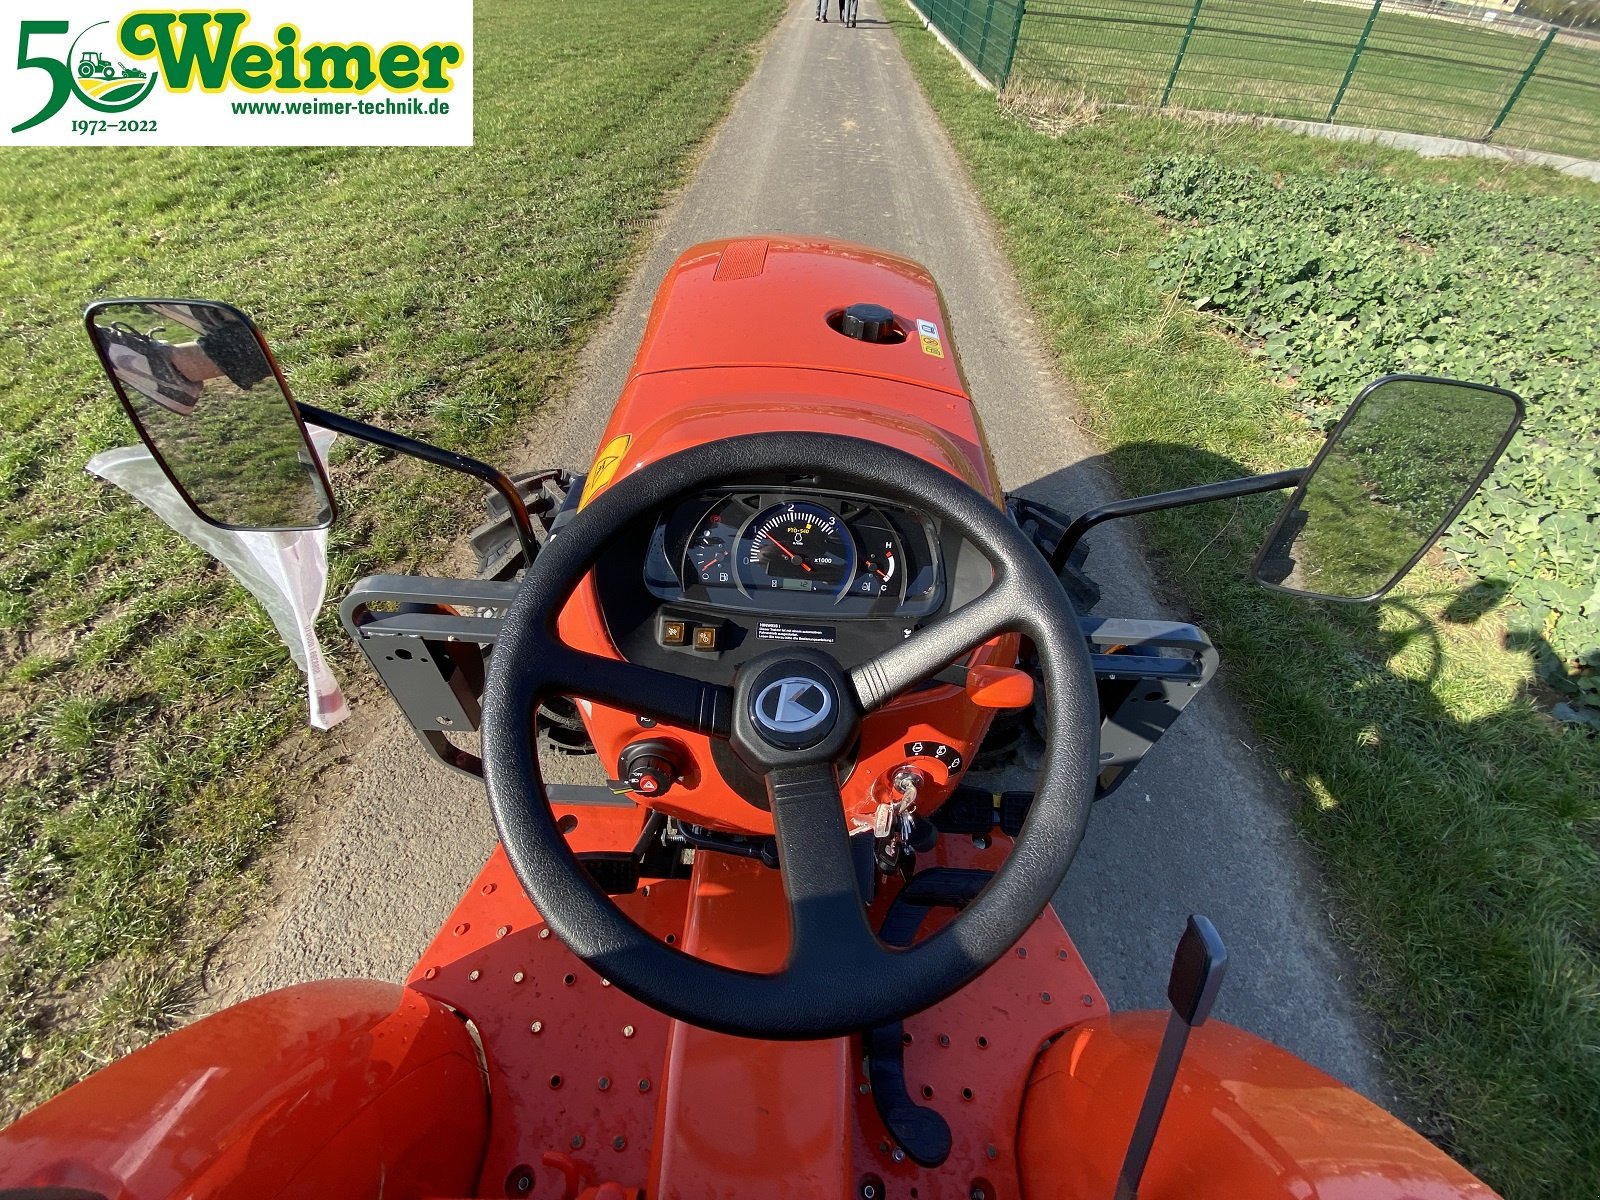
(744, 337)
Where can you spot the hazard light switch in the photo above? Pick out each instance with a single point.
(649, 768)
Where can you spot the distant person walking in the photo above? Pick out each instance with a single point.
(847, 12)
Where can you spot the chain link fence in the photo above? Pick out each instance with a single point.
(1419, 66)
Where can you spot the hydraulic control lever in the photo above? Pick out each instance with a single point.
(1197, 970)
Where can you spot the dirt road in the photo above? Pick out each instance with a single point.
(832, 137)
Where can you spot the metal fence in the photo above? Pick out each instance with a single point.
(984, 31)
(1420, 66)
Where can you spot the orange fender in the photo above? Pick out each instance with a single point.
(1246, 1120)
(340, 1088)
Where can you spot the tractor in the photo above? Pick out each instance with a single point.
(92, 62)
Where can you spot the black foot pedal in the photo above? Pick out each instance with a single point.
(968, 810)
(1014, 808)
(613, 873)
(920, 1131)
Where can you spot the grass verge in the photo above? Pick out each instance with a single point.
(1457, 825)
(442, 292)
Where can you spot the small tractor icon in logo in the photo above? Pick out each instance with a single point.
(92, 62)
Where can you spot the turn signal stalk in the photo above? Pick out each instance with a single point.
(999, 687)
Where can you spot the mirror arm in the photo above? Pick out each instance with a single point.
(1182, 498)
(401, 444)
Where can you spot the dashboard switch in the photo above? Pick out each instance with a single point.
(674, 633)
(649, 768)
(705, 637)
(650, 777)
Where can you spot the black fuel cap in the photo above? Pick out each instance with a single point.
(866, 322)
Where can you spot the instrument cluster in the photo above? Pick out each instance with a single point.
(795, 552)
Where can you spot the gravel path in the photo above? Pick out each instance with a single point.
(832, 136)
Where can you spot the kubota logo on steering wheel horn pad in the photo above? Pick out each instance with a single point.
(794, 710)
(794, 704)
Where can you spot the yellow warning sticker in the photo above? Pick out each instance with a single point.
(605, 466)
(930, 345)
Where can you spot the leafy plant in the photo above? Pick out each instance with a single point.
(1334, 279)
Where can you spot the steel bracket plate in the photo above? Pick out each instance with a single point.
(430, 641)
(1146, 673)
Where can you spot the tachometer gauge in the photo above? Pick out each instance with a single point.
(798, 547)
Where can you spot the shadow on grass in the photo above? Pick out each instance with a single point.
(1454, 820)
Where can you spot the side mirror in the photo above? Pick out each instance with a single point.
(198, 383)
(1399, 466)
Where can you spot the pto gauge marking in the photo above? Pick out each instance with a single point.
(798, 547)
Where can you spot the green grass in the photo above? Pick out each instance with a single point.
(1288, 58)
(1457, 825)
(144, 700)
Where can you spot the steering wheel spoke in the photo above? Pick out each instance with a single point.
(686, 703)
(791, 716)
(827, 913)
(930, 650)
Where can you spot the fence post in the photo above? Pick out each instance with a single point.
(1011, 50)
(983, 36)
(1183, 48)
(1533, 63)
(1361, 44)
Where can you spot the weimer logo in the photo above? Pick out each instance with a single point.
(91, 71)
(275, 70)
(183, 42)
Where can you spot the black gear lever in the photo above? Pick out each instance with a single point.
(1197, 970)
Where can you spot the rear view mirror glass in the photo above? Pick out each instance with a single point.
(1399, 466)
(203, 393)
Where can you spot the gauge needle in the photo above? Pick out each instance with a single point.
(804, 566)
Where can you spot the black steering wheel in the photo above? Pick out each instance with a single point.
(839, 977)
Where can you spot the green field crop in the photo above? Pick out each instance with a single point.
(144, 699)
(1337, 278)
(1289, 58)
